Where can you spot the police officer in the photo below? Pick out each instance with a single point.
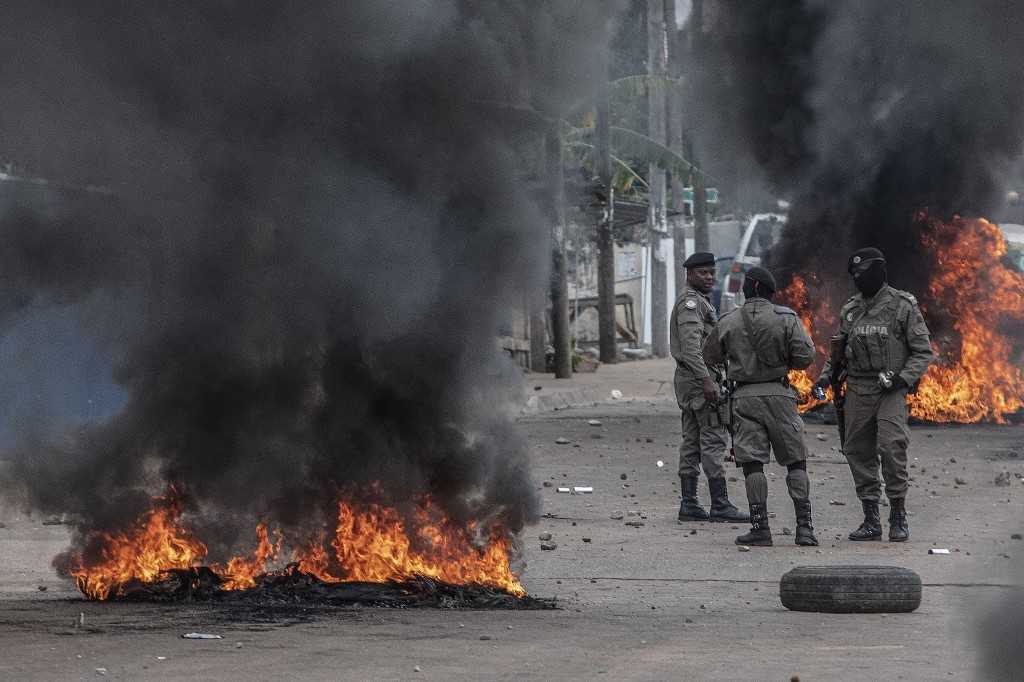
(887, 351)
(760, 342)
(698, 395)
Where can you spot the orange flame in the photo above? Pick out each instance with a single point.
(155, 544)
(371, 543)
(974, 378)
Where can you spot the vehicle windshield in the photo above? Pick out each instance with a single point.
(767, 231)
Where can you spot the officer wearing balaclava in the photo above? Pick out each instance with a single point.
(887, 351)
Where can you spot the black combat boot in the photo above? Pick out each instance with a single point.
(899, 531)
(760, 534)
(689, 508)
(804, 529)
(722, 510)
(871, 529)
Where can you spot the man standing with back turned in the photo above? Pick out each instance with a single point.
(698, 394)
(886, 348)
(760, 343)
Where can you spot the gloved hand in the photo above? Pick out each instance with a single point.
(898, 383)
(710, 391)
(822, 382)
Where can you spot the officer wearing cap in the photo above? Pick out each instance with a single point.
(759, 343)
(698, 394)
(887, 351)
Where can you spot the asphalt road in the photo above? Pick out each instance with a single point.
(660, 601)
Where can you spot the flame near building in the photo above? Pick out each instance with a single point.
(975, 377)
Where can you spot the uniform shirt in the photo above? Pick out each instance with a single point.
(780, 343)
(884, 333)
(693, 318)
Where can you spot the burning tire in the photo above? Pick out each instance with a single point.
(851, 589)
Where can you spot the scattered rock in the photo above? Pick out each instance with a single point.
(41, 588)
(594, 422)
(101, 671)
(786, 531)
(416, 669)
(743, 548)
(55, 521)
(544, 536)
(596, 436)
(548, 546)
(822, 436)
(537, 388)
(649, 440)
(616, 515)
(693, 532)
(623, 477)
(634, 524)
(562, 440)
(959, 481)
(1003, 479)
(688, 620)
(632, 512)
(484, 638)
(837, 503)
(547, 484)
(952, 460)
(616, 394)
(3, 525)
(585, 539)
(1016, 536)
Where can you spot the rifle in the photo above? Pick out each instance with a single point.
(837, 380)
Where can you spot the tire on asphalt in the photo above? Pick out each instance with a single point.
(851, 589)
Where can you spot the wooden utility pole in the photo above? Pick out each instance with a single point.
(559, 285)
(605, 242)
(701, 235)
(674, 117)
(657, 65)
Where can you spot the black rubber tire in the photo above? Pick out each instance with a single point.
(851, 589)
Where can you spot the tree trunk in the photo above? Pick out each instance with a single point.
(538, 330)
(605, 241)
(657, 66)
(559, 284)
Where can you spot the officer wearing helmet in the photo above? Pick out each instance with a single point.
(760, 342)
(887, 350)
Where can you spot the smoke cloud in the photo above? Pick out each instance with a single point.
(309, 233)
(863, 113)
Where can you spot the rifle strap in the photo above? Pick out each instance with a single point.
(748, 325)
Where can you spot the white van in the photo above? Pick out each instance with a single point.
(763, 232)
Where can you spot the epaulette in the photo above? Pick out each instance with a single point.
(906, 296)
(783, 310)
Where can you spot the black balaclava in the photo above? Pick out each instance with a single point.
(868, 269)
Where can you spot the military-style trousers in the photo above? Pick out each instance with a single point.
(767, 423)
(877, 432)
(705, 441)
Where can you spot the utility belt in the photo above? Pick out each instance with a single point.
(784, 380)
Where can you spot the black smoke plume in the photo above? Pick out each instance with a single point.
(310, 228)
(866, 112)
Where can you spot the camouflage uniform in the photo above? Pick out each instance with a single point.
(760, 343)
(885, 333)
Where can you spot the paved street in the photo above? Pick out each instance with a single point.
(659, 601)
